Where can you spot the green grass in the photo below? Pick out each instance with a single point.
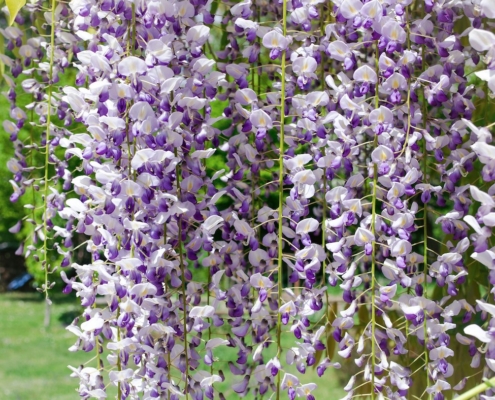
(34, 360)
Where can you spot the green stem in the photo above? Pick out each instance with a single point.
(130, 46)
(373, 246)
(408, 105)
(119, 366)
(324, 223)
(373, 267)
(183, 288)
(119, 337)
(281, 196)
(133, 28)
(47, 149)
(169, 376)
(258, 63)
(31, 158)
(425, 249)
(324, 202)
(208, 303)
(470, 394)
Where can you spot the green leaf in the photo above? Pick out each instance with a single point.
(14, 7)
(38, 22)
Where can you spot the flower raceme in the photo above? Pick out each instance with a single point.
(262, 190)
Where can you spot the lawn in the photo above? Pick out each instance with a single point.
(33, 360)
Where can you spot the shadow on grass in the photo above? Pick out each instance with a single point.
(67, 317)
(36, 297)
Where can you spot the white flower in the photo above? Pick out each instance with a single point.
(275, 40)
(131, 66)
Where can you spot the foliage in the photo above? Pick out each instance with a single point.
(14, 6)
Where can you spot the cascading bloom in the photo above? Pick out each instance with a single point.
(224, 171)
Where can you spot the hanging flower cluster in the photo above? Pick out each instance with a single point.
(232, 166)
